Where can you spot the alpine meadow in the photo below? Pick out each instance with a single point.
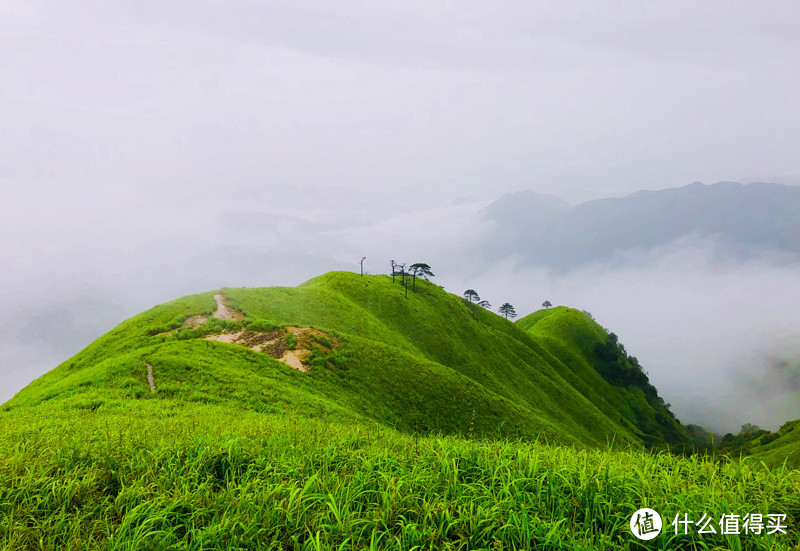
(301, 275)
(358, 412)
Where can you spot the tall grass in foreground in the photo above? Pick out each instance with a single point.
(197, 477)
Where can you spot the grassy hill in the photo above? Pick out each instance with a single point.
(341, 415)
(614, 383)
(428, 362)
(168, 475)
(780, 448)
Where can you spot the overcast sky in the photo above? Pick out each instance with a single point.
(154, 149)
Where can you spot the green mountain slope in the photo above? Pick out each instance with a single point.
(236, 449)
(778, 448)
(428, 362)
(615, 383)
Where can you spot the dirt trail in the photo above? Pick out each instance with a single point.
(150, 378)
(223, 312)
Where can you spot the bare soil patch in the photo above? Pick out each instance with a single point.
(278, 343)
(195, 322)
(295, 359)
(255, 340)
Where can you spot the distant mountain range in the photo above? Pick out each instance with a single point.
(744, 219)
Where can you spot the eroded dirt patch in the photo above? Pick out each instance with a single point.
(292, 345)
(190, 323)
(306, 331)
(295, 359)
(255, 340)
(195, 322)
(225, 312)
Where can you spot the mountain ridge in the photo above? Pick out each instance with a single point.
(745, 218)
(430, 362)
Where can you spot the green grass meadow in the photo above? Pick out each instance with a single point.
(422, 423)
(177, 476)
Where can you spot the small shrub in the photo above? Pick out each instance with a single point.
(322, 341)
(261, 325)
(767, 438)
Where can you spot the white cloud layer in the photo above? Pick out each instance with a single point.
(154, 149)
